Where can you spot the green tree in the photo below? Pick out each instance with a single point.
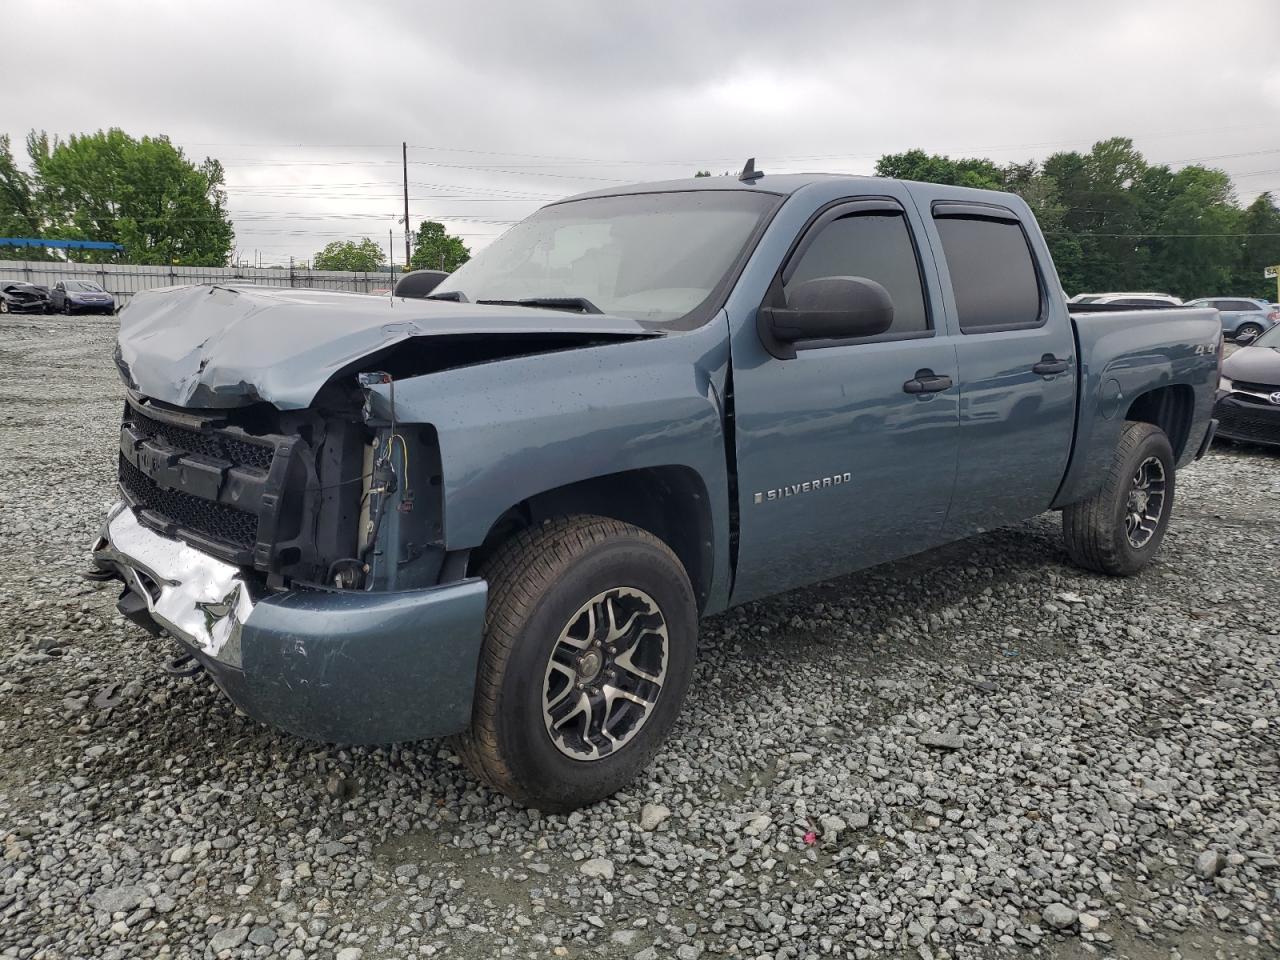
(1189, 224)
(934, 168)
(1259, 248)
(19, 215)
(144, 194)
(702, 173)
(349, 255)
(435, 249)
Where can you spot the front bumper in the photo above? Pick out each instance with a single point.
(1252, 421)
(338, 666)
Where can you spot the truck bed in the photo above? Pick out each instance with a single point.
(1127, 354)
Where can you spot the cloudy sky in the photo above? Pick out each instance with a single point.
(507, 105)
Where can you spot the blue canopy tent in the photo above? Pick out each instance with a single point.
(59, 244)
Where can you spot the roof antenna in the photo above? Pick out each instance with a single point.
(749, 172)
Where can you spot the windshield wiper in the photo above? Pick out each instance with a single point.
(581, 304)
(457, 296)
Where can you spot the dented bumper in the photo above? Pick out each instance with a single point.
(338, 666)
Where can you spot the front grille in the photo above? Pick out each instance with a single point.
(1248, 422)
(216, 445)
(217, 520)
(1264, 388)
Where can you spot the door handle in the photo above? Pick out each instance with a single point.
(926, 381)
(1049, 365)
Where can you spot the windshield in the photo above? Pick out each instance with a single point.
(650, 256)
(86, 285)
(1269, 339)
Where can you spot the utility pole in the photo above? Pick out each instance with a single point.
(404, 156)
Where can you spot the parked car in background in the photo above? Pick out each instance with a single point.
(1243, 319)
(81, 296)
(1136, 300)
(1248, 404)
(18, 297)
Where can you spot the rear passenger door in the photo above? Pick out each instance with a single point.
(846, 449)
(1017, 359)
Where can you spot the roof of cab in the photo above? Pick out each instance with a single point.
(781, 184)
(786, 184)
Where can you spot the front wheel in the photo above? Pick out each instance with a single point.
(1119, 528)
(590, 635)
(4, 306)
(1248, 332)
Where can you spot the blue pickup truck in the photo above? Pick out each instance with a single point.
(499, 512)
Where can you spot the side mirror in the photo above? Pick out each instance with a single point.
(832, 308)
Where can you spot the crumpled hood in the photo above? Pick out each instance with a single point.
(1253, 365)
(213, 346)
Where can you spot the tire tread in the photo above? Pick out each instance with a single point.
(519, 573)
(1088, 527)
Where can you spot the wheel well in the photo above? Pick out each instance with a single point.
(670, 502)
(1169, 408)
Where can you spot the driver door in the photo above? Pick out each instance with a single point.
(843, 460)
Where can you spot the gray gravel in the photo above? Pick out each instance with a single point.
(975, 752)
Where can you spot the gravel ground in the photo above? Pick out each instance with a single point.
(974, 752)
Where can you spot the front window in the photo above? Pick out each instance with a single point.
(83, 286)
(1269, 339)
(654, 257)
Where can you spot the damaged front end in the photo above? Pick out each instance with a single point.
(281, 525)
(256, 538)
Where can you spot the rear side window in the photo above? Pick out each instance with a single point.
(992, 273)
(1237, 305)
(877, 247)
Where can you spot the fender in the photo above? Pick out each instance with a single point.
(518, 427)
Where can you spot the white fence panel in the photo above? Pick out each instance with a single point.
(123, 280)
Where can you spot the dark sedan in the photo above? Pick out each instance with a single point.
(82, 296)
(24, 298)
(1248, 405)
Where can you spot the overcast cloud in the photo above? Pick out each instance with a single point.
(506, 105)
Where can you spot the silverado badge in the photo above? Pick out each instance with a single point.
(808, 486)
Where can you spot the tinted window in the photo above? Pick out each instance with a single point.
(992, 273)
(877, 247)
(1236, 305)
(1142, 302)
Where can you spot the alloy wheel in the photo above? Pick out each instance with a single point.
(1145, 504)
(605, 673)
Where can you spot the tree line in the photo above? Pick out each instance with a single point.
(433, 249)
(108, 186)
(1115, 222)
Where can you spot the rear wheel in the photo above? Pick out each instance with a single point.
(589, 645)
(66, 307)
(4, 306)
(1119, 528)
(1248, 331)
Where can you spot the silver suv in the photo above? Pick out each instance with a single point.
(1243, 319)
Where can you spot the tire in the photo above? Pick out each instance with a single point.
(1097, 534)
(66, 307)
(1248, 331)
(542, 582)
(4, 306)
